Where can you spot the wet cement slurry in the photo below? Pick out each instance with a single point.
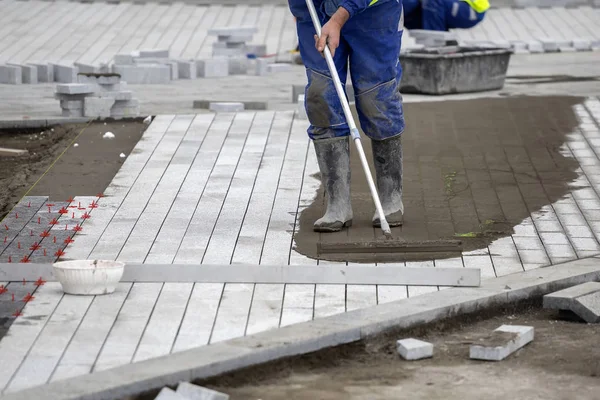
(473, 170)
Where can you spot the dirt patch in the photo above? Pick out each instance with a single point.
(473, 170)
(82, 170)
(563, 362)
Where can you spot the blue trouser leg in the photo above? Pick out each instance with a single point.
(371, 41)
(374, 37)
(441, 15)
(323, 107)
(462, 16)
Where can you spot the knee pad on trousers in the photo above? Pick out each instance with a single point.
(380, 110)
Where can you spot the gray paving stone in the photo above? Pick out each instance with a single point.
(11, 75)
(257, 50)
(226, 107)
(97, 106)
(154, 53)
(535, 46)
(75, 88)
(45, 72)
(502, 342)
(65, 73)
(583, 300)
(262, 67)
(72, 113)
(219, 51)
(148, 74)
(590, 310)
(169, 394)
(71, 104)
(123, 59)
(174, 69)
(213, 68)
(550, 45)
(118, 96)
(28, 73)
(186, 69)
(238, 65)
(582, 44)
(195, 392)
(86, 68)
(414, 349)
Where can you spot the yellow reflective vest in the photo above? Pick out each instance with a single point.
(477, 5)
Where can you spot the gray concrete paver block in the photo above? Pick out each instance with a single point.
(123, 59)
(45, 72)
(238, 65)
(257, 50)
(71, 104)
(28, 73)
(169, 394)
(97, 106)
(65, 73)
(154, 53)
(413, 349)
(72, 113)
(213, 68)
(87, 68)
(502, 342)
(84, 77)
(195, 392)
(226, 107)
(186, 69)
(11, 75)
(590, 307)
(75, 88)
(583, 300)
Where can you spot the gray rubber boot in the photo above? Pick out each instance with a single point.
(333, 156)
(387, 157)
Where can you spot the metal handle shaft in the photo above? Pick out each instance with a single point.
(385, 227)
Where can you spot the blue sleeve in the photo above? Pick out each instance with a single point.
(355, 6)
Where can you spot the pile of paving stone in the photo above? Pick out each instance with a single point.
(97, 95)
(231, 55)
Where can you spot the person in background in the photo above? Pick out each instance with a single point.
(443, 15)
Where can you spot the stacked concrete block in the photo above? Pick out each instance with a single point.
(231, 43)
(213, 68)
(11, 75)
(582, 44)
(257, 50)
(97, 96)
(45, 72)
(28, 73)
(301, 108)
(154, 53)
(187, 69)
(262, 66)
(123, 59)
(65, 73)
(174, 65)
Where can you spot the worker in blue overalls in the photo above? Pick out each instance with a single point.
(364, 35)
(443, 15)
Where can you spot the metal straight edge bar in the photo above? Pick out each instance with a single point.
(291, 274)
(228, 356)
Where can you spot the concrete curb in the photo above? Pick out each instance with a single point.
(223, 357)
(247, 273)
(41, 122)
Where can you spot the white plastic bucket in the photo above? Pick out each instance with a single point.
(88, 277)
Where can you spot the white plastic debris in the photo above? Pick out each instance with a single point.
(122, 155)
(52, 129)
(108, 135)
(147, 120)
(105, 123)
(76, 145)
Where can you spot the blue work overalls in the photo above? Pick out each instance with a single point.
(370, 45)
(440, 15)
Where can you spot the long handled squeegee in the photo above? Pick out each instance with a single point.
(402, 246)
(385, 227)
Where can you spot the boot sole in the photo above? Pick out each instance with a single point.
(329, 229)
(391, 224)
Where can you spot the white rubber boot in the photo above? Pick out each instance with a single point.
(387, 157)
(333, 156)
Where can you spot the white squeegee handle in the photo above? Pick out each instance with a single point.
(385, 227)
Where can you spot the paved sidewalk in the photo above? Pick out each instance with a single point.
(229, 188)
